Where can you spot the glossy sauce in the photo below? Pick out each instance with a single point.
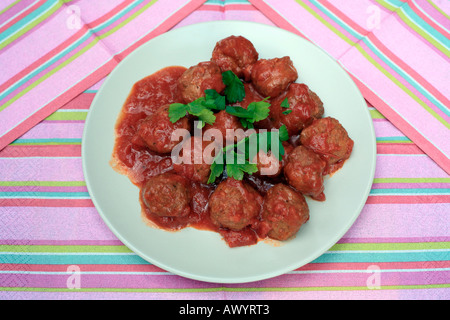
(132, 158)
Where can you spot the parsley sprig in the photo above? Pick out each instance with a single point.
(256, 111)
(236, 158)
(234, 91)
(202, 108)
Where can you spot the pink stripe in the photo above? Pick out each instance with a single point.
(276, 17)
(41, 242)
(289, 280)
(435, 14)
(425, 58)
(21, 16)
(42, 189)
(371, 36)
(399, 78)
(82, 101)
(432, 199)
(382, 265)
(37, 169)
(419, 37)
(428, 147)
(413, 218)
(435, 26)
(399, 166)
(433, 185)
(96, 76)
(55, 104)
(422, 81)
(62, 46)
(41, 151)
(11, 12)
(226, 7)
(47, 203)
(394, 239)
(398, 148)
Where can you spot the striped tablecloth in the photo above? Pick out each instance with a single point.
(54, 245)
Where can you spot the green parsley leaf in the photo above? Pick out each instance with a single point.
(256, 111)
(213, 100)
(177, 111)
(284, 135)
(216, 171)
(285, 103)
(286, 112)
(259, 110)
(242, 149)
(234, 91)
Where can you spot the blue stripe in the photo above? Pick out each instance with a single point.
(423, 24)
(328, 257)
(75, 45)
(27, 19)
(391, 256)
(47, 140)
(425, 191)
(73, 259)
(386, 60)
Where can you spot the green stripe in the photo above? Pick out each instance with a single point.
(226, 289)
(30, 26)
(411, 180)
(376, 64)
(375, 114)
(43, 183)
(416, 28)
(67, 116)
(10, 6)
(78, 54)
(438, 9)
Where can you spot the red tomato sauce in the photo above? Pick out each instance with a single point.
(132, 158)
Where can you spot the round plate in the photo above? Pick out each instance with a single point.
(203, 255)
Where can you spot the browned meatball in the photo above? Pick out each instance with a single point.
(285, 211)
(167, 195)
(328, 138)
(195, 164)
(304, 107)
(234, 204)
(234, 53)
(268, 164)
(271, 77)
(304, 172)
(156, 130)
(225, 121)
(195, 80)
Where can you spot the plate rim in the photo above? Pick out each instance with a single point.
(225, 280)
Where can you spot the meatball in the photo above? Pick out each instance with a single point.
(193, 164)
(268, 164)
(156, 130)
(304, 106)
(285, 211)
(235, 54)
(271, 77)
(167, 195)
(225, 121)
(328, 138)
(234, 204)
(195, 80)
(304, 171)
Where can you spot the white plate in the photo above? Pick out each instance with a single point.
(203, 255)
